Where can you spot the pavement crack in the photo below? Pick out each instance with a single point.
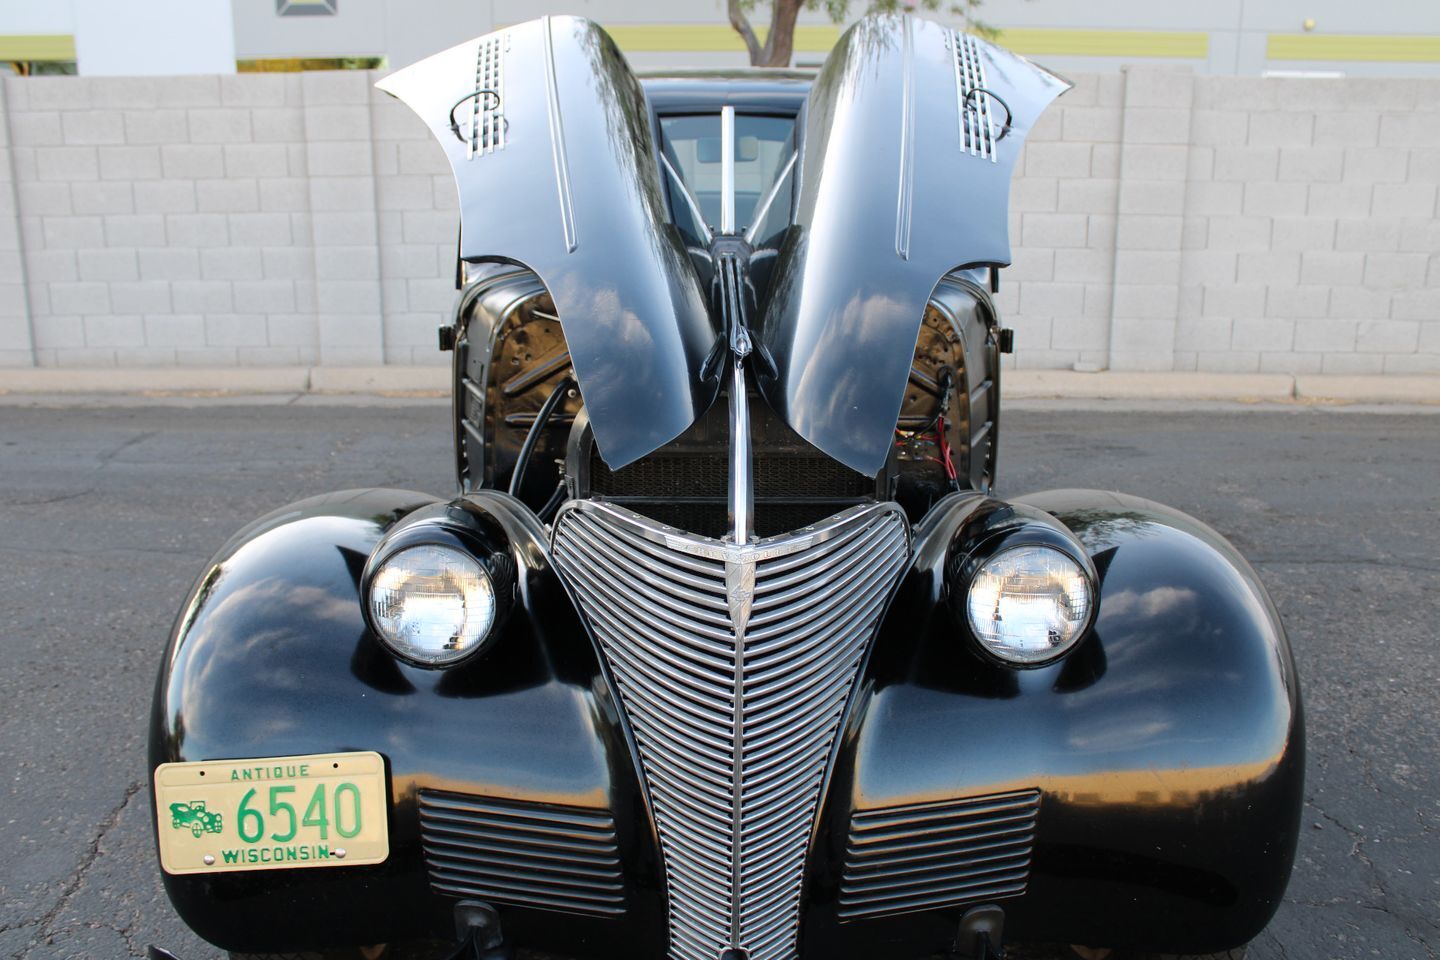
(140, 437)
(1279, 944)
(92, 854)
(58, 498)
(102, 551)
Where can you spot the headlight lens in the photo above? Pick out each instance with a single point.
(1029, 604)
(432, 604)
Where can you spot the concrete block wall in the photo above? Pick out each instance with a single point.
(1168, 221)
(1161, 221)
(279, 220)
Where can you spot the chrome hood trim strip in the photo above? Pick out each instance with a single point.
(734, 664)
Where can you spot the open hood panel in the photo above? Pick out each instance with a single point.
(549, 138)
(905, 176)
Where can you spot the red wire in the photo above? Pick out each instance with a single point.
(945, 447)
(937, 438)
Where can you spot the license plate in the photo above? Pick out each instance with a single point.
(273, 813)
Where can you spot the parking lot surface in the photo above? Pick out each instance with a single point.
(108, 512)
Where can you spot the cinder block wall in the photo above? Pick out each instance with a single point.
(284, 219)
(1160, 221)
(1164, 221)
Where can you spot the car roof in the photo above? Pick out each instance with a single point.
(757, 90)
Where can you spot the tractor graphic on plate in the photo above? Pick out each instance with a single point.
(194, 817)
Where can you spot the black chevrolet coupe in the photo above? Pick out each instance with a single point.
(725, 647)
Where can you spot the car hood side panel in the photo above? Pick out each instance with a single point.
(557, 172)
(895, 192)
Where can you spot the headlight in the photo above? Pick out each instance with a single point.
(432, 604)
(1029, 604)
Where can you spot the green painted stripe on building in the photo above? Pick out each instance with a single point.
(1394, 48)
(711, 37)
(1107, 43)
(819, 38)
(37, 46)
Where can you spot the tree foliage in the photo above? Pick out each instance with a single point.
(779, 43)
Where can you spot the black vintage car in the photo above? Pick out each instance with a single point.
(725, 649)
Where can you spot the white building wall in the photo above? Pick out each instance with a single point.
(153, 37)
(1162, 220)
(140, 37)
(32, 17)
(1236, 32)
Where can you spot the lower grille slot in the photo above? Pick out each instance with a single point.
(931, 856)
(528, 854)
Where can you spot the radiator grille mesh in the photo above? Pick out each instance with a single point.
(930, 856)
(530, 854)
(733, 665)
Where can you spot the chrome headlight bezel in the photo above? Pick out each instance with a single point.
(495, 566)
(964, 569)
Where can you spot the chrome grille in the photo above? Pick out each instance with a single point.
(531, 854)
(928, 856)
(734, 665)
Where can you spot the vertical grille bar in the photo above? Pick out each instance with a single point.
(733, 664)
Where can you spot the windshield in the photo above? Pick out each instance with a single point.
(763, 147)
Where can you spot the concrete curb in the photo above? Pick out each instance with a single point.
(1369, 389)
(382, 380)
(1125, 385)
(435, 381)
(155, 380)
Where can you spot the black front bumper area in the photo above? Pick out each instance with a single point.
(1057, 793)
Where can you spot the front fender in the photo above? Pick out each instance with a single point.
(1167, 748)
(271, 656)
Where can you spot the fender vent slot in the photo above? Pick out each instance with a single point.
(977, 122)
(526, 854)
(485, 129)
(929, 856)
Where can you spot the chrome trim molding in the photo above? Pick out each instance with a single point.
(742, 467)
(690, 201)
(733, 664)
(557, 139)
(727, 170)
(762, 211)
(905, 203)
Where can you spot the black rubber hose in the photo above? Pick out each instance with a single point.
(553, 504)
(533, 437)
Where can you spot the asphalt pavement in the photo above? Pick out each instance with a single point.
(109, 510)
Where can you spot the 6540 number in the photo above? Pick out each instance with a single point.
(342, 813)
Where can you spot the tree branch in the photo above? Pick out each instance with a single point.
(742, 27)
(780, 43)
